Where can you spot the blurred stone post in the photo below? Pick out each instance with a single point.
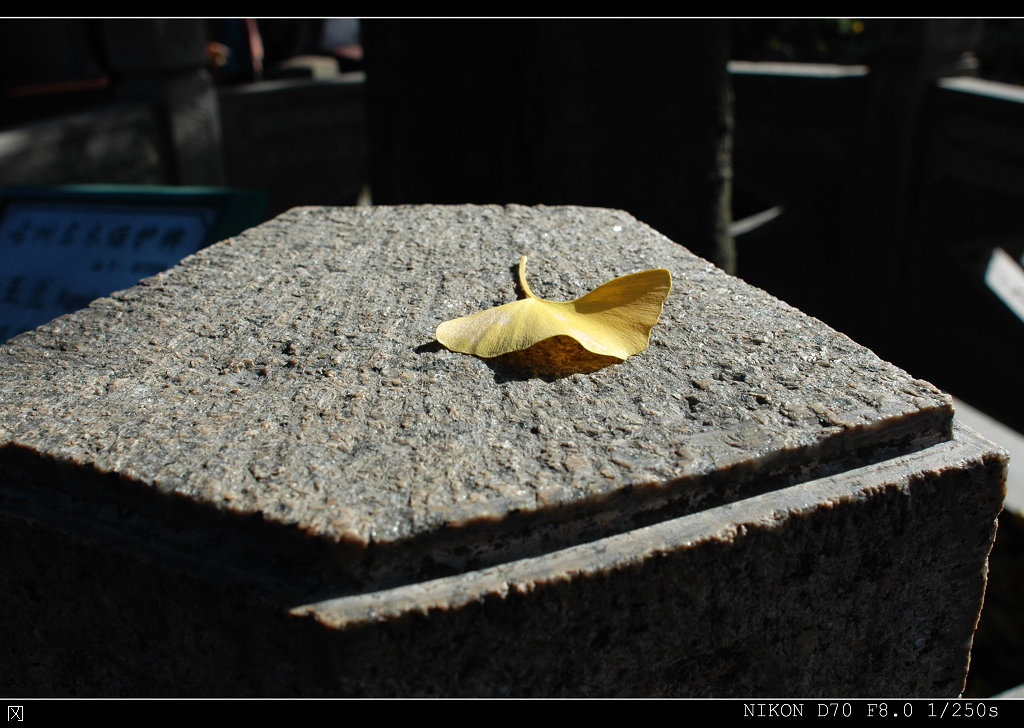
(163, 62)
(886, 241)
(634, 115)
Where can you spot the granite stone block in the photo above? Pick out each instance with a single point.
(268, 435)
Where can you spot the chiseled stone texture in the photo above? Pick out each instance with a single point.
(862, 584)
(257, 473)
(286, 382)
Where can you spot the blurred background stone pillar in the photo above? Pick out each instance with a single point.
(911, 56)
(164, 63)
(634, 115)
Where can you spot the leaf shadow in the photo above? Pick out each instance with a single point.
(514, 271)
(544, 361)
(554, 358)
(429, 347)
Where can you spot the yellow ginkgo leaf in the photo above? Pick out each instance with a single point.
(615, 319)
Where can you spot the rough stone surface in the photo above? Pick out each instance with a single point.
(793, 592)
(283, 391)
(867, 583)
(257, 474)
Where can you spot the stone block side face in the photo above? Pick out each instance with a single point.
(830, 593)
(80, 620)
(864, 584)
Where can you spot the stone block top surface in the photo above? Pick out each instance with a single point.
(288, 379)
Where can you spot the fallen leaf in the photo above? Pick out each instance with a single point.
(614, 320)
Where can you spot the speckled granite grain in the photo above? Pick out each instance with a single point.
(863, 584)
(287, 381)
(257, 474)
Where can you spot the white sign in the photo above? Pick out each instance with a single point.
(56, 257)
(1005, 277)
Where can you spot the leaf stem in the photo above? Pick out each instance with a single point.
(522, 279)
